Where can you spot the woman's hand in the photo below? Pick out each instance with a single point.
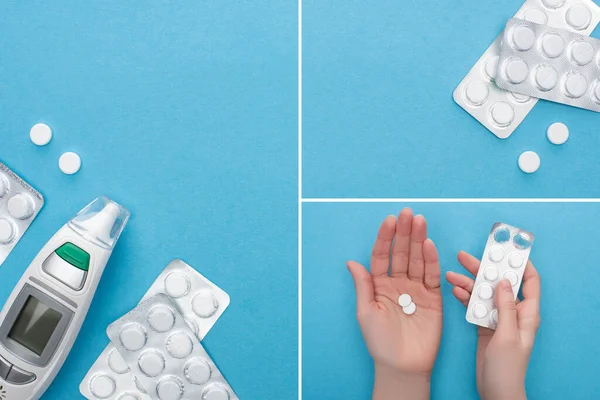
(403, 347)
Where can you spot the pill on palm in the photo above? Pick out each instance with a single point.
(410, 309)
(404, 300)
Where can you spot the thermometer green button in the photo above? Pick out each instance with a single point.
(74, 256)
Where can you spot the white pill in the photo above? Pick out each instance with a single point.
(197, 371)
(180, 345)
(133, 337)
(205, 304)
(215, 392)
(546, 77)
(169, 389)
(479, 310)
(529, 162)
(128, 396)
(477, 93)
(557, 133)
(40, 134)
(496, 254)
(3, 185)
(597, 91)
(69, 163)
(404, 300)
(485, 292)
(520, 98)
(7, 231)
(575, 85)
(553, 45)
(523, 37)
(491, 67)
(161, 319)
(553, 3)
(410, 309)
(494, 317)
(102, 386)
(117, 363)
(491, 273)
(512, 277)
(516, 70)
(515, 260)
(177, 285)
(20, 206)
(536, 16)
(503, 114)
(582, 53)
(151, 363)
(579, 17)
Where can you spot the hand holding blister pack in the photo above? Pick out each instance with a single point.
(505, 257)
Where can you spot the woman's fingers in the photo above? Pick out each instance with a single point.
(532, 285)
(432, 265)
(470, 263)
(380, 257)
(461, 281)
(416, 262)
(401, 248)
(461, 295)
(363, 284)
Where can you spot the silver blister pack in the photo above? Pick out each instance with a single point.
(19, 205)
(505, 257)
(501, 111)
(164, 354)
(110, 378)
(551, 64)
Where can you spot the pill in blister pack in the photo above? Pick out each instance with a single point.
(505, 257)
(551, 64)
(501, 111)
(109, 378)
(162, 352)
(19, 205)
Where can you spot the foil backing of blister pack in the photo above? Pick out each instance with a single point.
(505, 257)
(19, 205)
(551, 64)
(501, 111)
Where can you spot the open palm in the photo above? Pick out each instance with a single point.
(403, 261)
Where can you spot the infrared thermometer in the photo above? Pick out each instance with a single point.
(42, 317)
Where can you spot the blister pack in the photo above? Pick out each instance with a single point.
(164, 355)
(551, 64)
(502, 111)
(505, 257)
(110, 378)
(19, 205)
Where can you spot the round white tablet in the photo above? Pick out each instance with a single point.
(151, 363)
(215, 392)
(557, 133)
(133, 337)
(20, 206)
(520, 98)
(536, 16)
(575, 85)
(180, 345)
(494, 317)
(177, 285)
(40, 134)
(3, 185)
(170, 389)
(491, 273)
(69, 163)
(553, 45)
(578, 17)
(503, 114)
(205, 304)
(582, 52)
(515, 260)
(485, 292)
(102, 386)
(477, 93)
(197, 371)
(117, 363)
(516, 70)
(529, 162)
(410, 309)
(597, 91)
(479, 310)
(404, 300)
(491, 67)
(161, 319)
(128, 396)
(553, 3)
(523, 38)
(7, 231)
(546, 77)
(512, 277)
(496, 254)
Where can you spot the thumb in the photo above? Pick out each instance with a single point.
(507, 309)
(363, 284)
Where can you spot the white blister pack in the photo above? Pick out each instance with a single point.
(501, 111)
(162, 352)
(505, 257)
(19, 205)
(551, 64)
(110, 378)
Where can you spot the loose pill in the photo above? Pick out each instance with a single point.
(69, 163)
(133, 337)
(7, 231)
(503, 114)
(479, 310)
(546, 77)
(529, 162)
(404, 300)
(516, 70)
(477, 93)
(410, 309)
(20, 206)
(40, 134)
(490, 273)
(557, 133)
(575, 85)
(523, 38)
(485, 292)
(553, 45)
(582, 53)
(579, 17)
(496, 254)
(103, 386)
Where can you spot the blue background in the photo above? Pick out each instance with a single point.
(185, 112)
(564, 362)
(379, 118)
